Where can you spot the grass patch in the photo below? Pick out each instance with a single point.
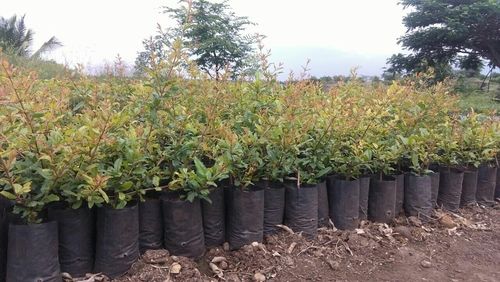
(480, 101)
(471, 97)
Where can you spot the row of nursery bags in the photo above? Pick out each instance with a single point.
(80, 241)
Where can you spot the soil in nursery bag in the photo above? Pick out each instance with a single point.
(183, 227)
(274, 206)
(32, 253)
(486, 182)
(245, 216)
(400, 193)
(434, 187)
(76, 228)
(450, 189)
(343, 199)
(469, 187)
(150, 225)
(382, 200)
(214, 222)
(417, 200)
(323, 210)
(301, 208)
(117, 240)
(364, 191)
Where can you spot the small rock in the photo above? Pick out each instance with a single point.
(216, 270)
(175, 268)
(318, 253)
(218, 259)
(259, 277)
(212, 251)
(66, 276)
(335, 265)
(255, 244)
(225, 246)
(425, 264)
(403, 231)
(415, 221)
(447, 222)
(247, 249)
(224, 265)
(175, 258)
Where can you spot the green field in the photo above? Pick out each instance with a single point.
(471, 97)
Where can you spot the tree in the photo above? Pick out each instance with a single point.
(441, 33)
(213, 34)
(16, 39)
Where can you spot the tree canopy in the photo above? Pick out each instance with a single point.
(212, 33)
(17, 39)
(441, 33)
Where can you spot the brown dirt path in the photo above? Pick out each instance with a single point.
(453, 247)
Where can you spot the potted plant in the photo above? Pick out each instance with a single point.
(470, 155)
(114, 186)
(382, 196)
(420, 151)
(451, 166)
(245, 205)
(488, 150)
(348, 162)
(26, 174)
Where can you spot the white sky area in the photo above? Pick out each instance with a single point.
(336, 35)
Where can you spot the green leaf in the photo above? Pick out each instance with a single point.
(38, 115)
(17, 188)
(200, 167)
(22, 189)
(8, 195)
(50, 198)
(156, 181)
(76, 205)
(323, 172)
(121, 196)
(414, 161)
(121, 205)
(45, 173)
(127, 185)
(118, 164)
(190, 197)
(104, 195)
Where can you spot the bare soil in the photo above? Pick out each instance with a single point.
(452, 247)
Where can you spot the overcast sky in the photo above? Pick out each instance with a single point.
(335, 34)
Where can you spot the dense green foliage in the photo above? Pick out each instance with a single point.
(84, 141)
(442, 33)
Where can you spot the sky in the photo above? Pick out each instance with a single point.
(335, 35)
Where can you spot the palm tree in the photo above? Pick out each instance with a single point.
(17, 39)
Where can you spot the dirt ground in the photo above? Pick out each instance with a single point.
(452, 247)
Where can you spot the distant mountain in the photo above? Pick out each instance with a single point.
(327, 62)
